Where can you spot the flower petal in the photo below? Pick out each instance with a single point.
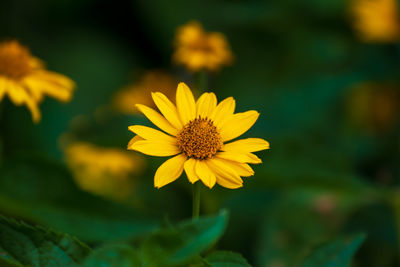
(190, 170)
(185, 103)
(223, 111)
(205, 174)
(157, 119)
(169, 171)
(206, 104)
(168, 109)
(155, 148)
(240, 157)
(224, 171)
(150, 133)
(247, 145)
(34, 109)
(255, 159)
(3, 87)
(227, 183)
(238, 124)
(242, 169)
(17, 94)
(133, 140)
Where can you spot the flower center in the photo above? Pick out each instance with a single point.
(14, 60)
(199, 139)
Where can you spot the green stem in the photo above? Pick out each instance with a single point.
(196, 200)
(202, 80)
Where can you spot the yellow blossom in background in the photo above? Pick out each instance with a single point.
(197, 49)
(196, 134)
(373, 107)
(25, 80)
(103, 171)
(377, 20)
(141, 92)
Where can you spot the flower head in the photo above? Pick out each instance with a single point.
(377, 20)
(141, 91)
(25, 81)
(196, 134)
(102, 171)
(197, 50)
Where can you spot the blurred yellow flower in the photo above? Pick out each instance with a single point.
(25, 81)
(196, 136)
(377, 20)
(197, 50)
(373, 107)
(103, 171)
(141, 91)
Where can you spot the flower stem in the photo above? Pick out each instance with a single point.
(196, 200)
(202, 80)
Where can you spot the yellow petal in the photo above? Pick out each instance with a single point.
(155, 148)
(167, 109)
(3, 88)
(34, 109)
(238, 124)
(134, 140)
(157, 119)
(205, 174)
(242, 169)
(240, 157)
(17, 94)
(190, 170)
(206, 104)
(169, 171)
(255, 159)
(223, 170)
(223, 111)
(227, 183)
(247, 145)
(151, 134)
(38, 87)
(185, 103)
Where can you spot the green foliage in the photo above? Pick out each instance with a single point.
(338, 253)
(24, 245)
(180, 244)
(113, 255)
(226, 259)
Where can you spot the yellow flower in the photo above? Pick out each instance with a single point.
(197, 50)
(102, 171)
(377, 20)
(140, 92)
(25, 81)
(196, 136)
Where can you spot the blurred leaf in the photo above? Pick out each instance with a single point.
(35, 246)
(112, 255)
(226, 259)
(338, 253)
(43, 191)
(180, 244)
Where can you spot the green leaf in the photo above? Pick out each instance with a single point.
(338, 253)
(180, 244)
(113, 255)
(226, 259)
(22, 244)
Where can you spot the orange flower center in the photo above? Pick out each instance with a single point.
(14, 60)
(199, 139)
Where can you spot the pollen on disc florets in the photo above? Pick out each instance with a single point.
(14, 60)
(199, 139)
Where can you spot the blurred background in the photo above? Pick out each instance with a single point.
(323, 74)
